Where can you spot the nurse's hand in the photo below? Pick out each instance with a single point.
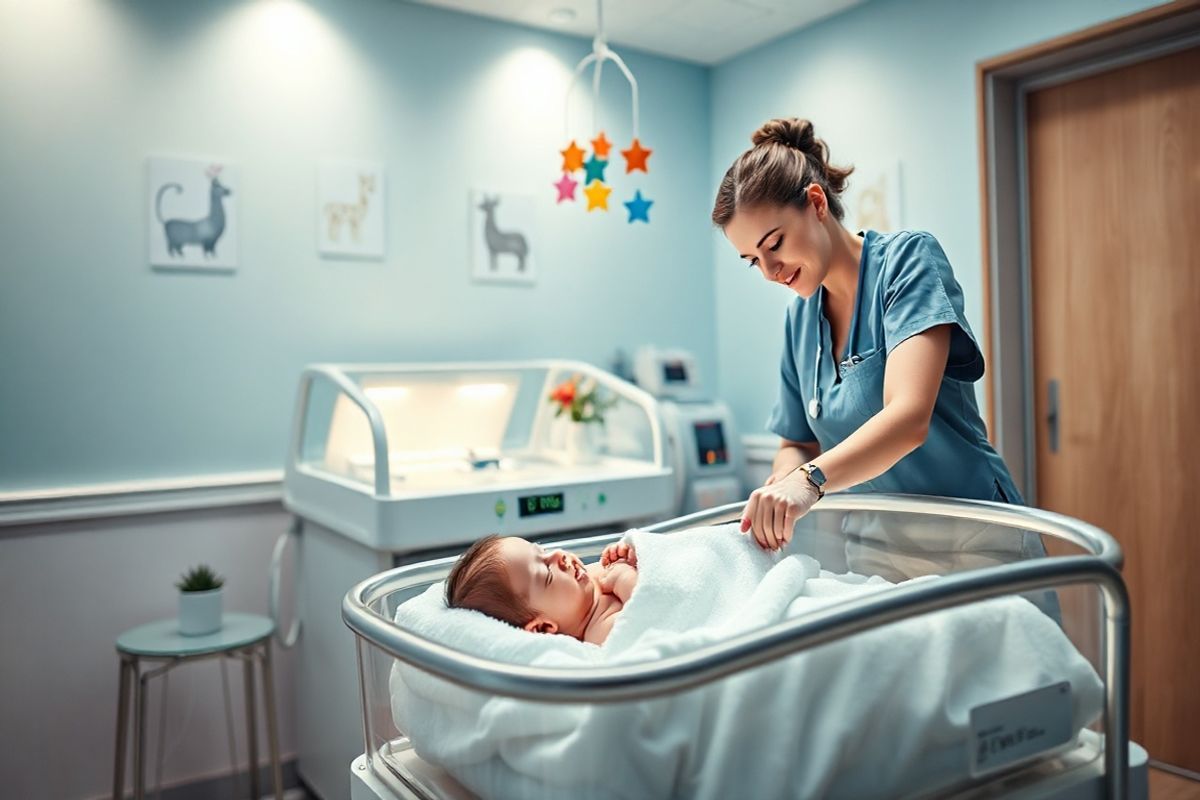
(773, 509)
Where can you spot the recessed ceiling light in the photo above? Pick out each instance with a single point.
(561, 16)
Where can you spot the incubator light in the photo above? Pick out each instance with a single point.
(386, 392)
(481, 391)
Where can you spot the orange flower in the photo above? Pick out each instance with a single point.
(579, 399)
(564, 393)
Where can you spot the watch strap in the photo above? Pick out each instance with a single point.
(815, 476)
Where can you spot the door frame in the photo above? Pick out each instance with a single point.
(1001, 86)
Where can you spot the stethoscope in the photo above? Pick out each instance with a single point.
(814, 405)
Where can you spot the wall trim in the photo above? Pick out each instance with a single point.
(120, 498)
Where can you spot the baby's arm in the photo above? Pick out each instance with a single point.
(619, 579)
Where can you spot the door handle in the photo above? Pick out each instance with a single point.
(1052, 414)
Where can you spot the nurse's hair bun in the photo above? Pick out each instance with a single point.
(794, 133)
(798, 135)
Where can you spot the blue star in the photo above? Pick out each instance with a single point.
(639, 208)
(595, 169)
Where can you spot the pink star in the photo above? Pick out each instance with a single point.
(566, 188)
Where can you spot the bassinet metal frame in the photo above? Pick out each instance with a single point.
(1100, 567)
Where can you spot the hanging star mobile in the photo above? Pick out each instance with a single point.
(639, 208)
(596, 189)
(566, 188)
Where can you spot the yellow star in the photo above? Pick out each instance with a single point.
(635, 157)
(572, 158)
(597, 195)
(601, 145)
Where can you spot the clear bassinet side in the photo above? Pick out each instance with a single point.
(390, 757)
(821, 720)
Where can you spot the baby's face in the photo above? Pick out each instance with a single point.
(555, 583)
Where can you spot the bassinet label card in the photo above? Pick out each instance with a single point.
(1018, 728)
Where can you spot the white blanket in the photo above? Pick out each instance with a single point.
(882, 714)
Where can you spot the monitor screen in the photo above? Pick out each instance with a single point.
(710, 443)
(536, 504)
(674, 372)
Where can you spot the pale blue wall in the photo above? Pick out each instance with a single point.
(892, 79)
(111, 371)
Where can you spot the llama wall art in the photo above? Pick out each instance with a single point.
(350, 209)
(192, 210)
(501, 228)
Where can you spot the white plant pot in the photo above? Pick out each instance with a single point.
(199, 612)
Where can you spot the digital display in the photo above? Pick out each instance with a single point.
(536, 504)
(674, 372)
(710, 443)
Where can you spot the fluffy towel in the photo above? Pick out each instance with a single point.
(882, 714)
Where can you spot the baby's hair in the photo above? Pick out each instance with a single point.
(786, 158)
(479, 581)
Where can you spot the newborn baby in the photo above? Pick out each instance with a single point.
(542, 591)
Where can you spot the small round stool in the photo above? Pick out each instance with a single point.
(246, 637)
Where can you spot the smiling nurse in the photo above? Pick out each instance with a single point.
(875, 381)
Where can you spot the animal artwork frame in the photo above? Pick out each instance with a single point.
(872, 199)
(501, 233)
(351, 209)
(192, 213)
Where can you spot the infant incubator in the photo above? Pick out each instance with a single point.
(391, 463)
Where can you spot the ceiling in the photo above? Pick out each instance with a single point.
(700, 31)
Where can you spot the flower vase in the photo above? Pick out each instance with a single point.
(578, 447)
(199, 612)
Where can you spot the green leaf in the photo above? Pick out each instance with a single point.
(199, 579)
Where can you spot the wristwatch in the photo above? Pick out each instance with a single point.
(816, 477)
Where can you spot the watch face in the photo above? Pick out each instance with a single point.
(817, 476)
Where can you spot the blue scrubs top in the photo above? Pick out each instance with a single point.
(905, 286)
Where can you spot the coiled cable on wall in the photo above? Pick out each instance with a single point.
(289, 640)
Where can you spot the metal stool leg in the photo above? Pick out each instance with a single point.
(251, 723)
(123, 681)
(268, 676)
(139, 736)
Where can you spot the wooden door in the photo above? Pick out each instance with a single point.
(1114, 177)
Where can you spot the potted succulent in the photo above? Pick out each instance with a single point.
(199, 601)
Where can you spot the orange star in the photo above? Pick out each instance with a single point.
(635, 157)
(601, 145)
(597, 195)
(572, 158)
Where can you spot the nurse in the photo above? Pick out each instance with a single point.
(875, 382)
